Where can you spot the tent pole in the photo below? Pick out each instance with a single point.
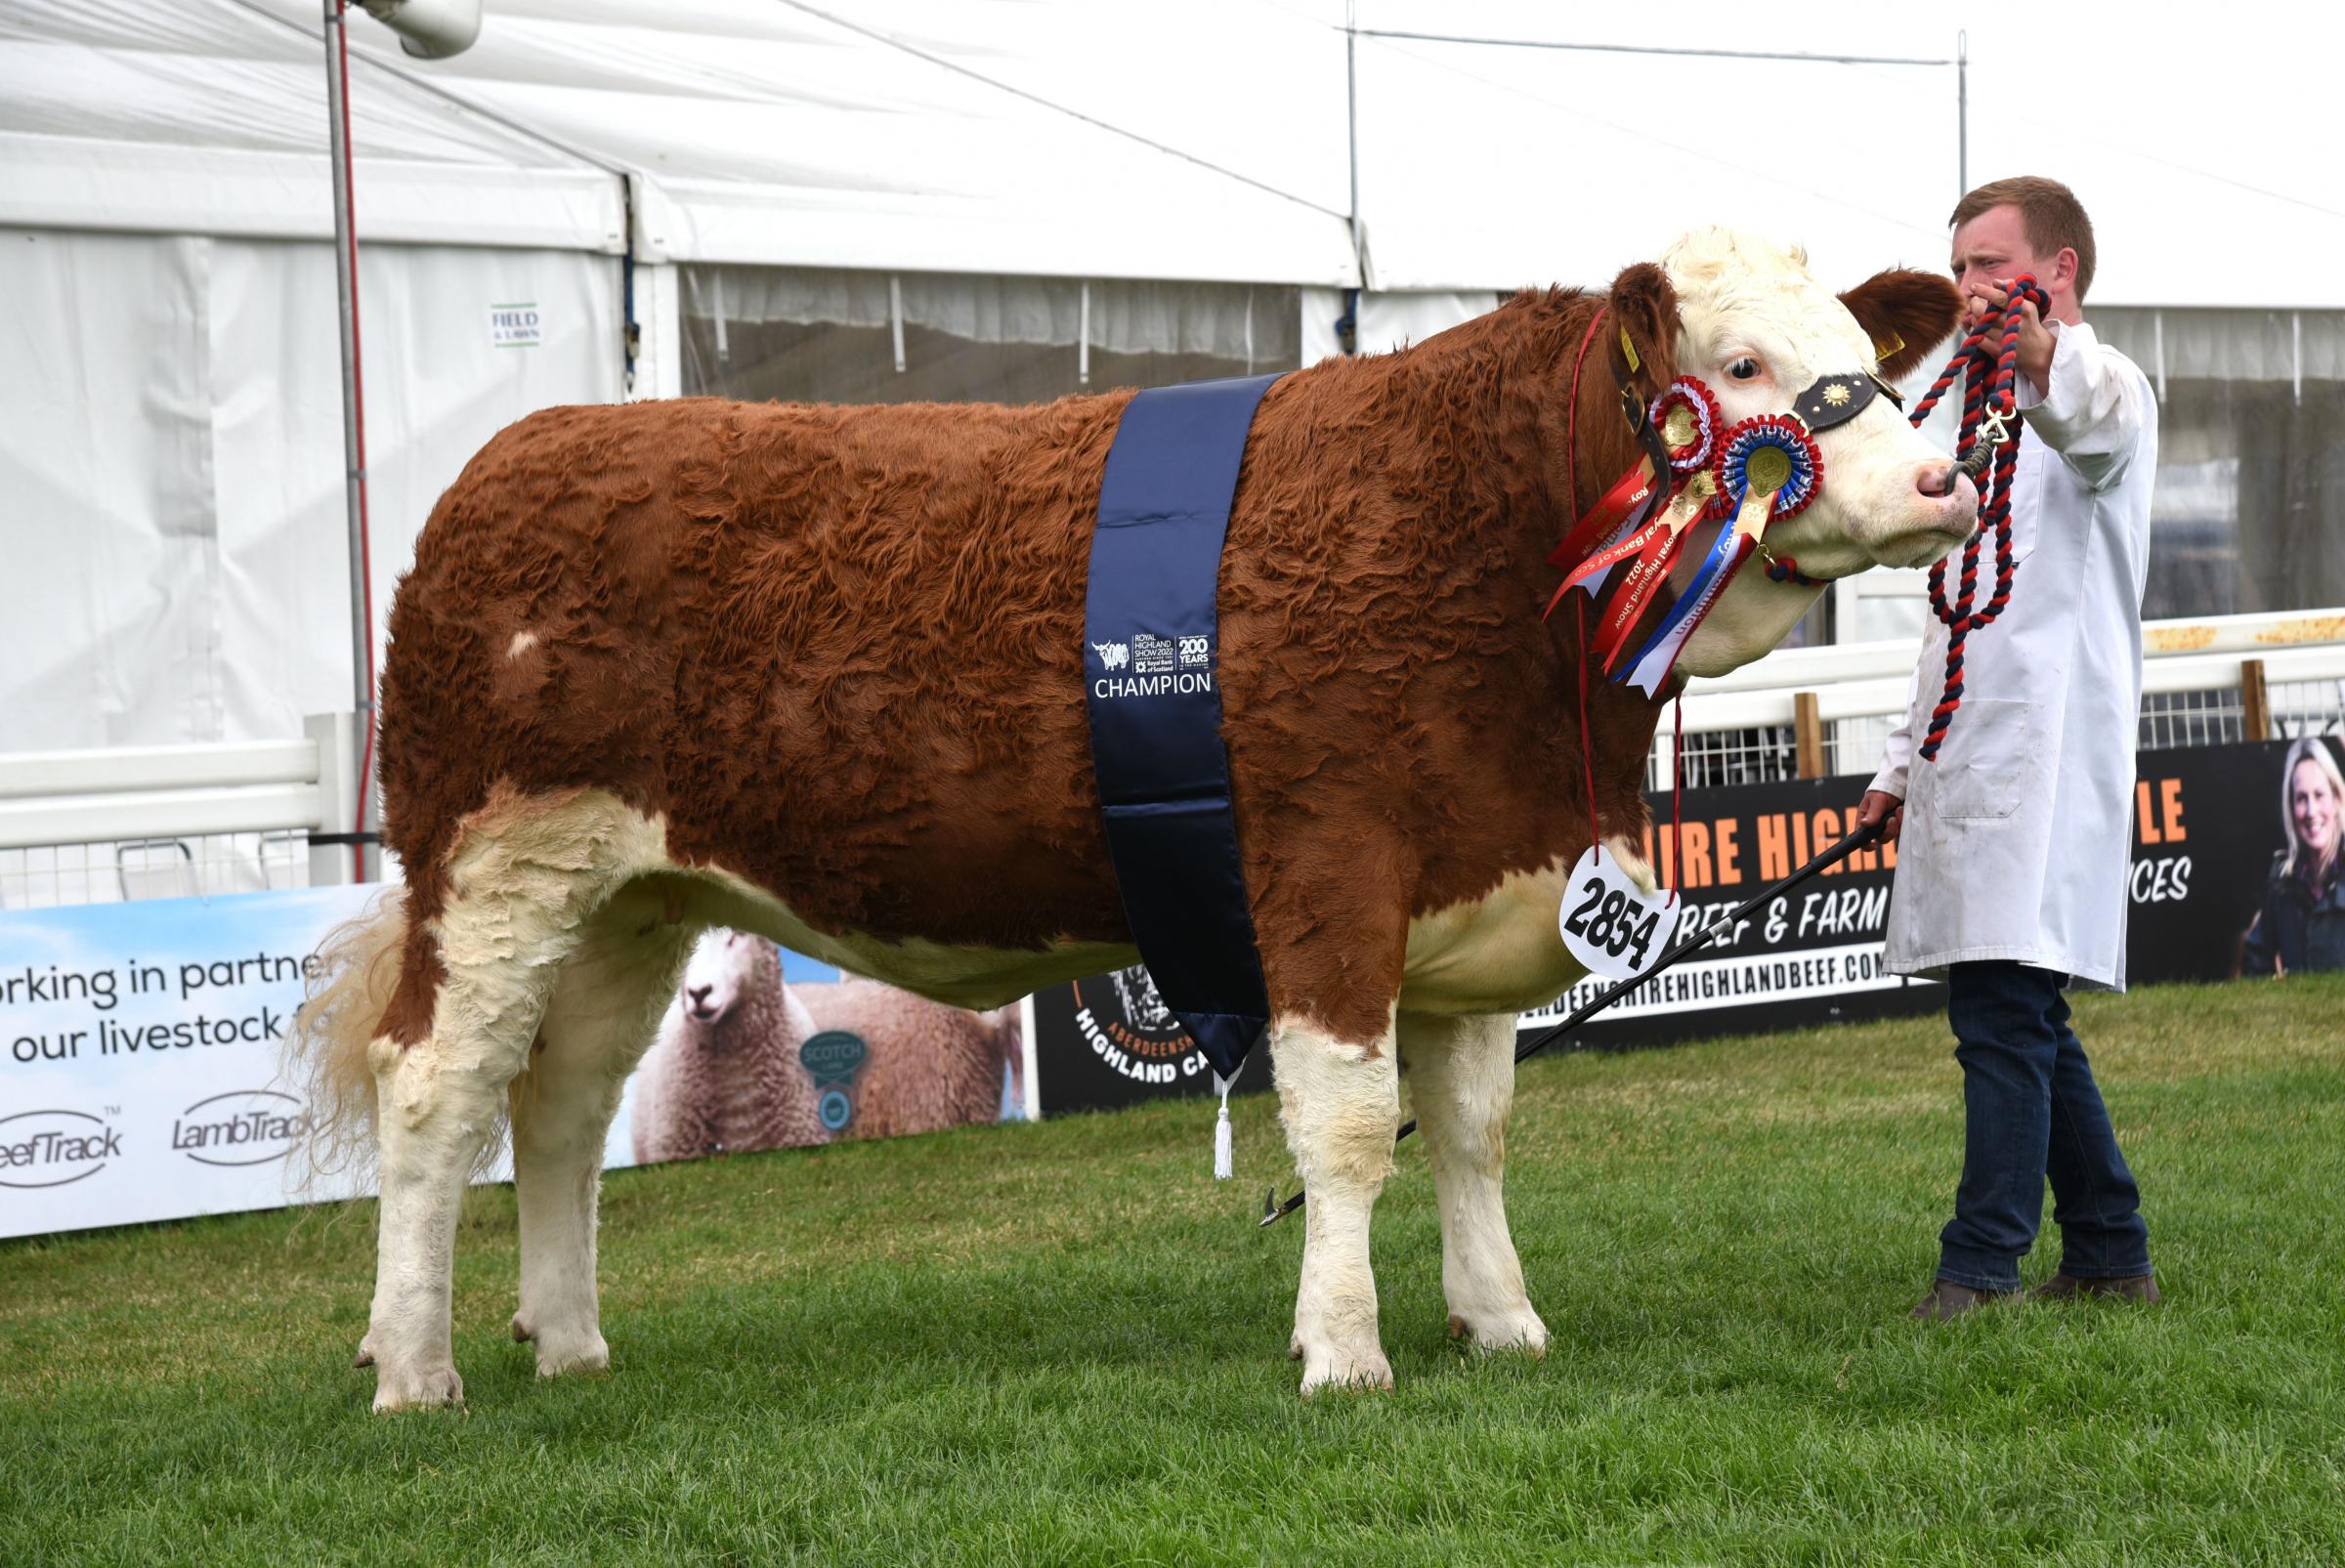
(1351, 138)
(353, 432)
(1962, 113)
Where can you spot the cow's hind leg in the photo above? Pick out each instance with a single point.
(1341, 1103)
(516, 907)
(438, 1104)
(1461, 1087)
(598, 1024)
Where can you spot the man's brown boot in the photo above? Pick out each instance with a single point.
(2142, 1288)
(1946, 1299)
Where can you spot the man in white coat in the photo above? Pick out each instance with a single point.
(2012, 880)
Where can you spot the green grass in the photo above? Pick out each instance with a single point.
(1064, 1343)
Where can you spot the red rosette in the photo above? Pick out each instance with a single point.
(1691, 397)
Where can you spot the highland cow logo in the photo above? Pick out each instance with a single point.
(1143, 1006)
(1114, 655)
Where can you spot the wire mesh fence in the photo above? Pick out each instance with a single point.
(48, 875)
(2214, 716)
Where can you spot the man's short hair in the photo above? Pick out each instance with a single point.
(2048, 210)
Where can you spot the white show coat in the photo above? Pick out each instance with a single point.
(2018, 838)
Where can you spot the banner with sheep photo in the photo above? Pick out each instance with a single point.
(141, 1078)
(765, 1048)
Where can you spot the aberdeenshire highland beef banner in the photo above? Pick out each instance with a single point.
(2209, 829)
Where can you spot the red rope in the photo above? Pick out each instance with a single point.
(1677, 795)
(1579, 615)
(1571, 424)
(1988, 371)
(357, 393)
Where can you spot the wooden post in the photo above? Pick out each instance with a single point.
(1807, 725)
(2255, 701)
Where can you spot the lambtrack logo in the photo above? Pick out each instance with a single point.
(52, 1148)
(242, 1127)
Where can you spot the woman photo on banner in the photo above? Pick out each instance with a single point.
(2301, 924)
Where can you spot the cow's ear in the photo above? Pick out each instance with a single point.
(1906, 313)
(1644, 342)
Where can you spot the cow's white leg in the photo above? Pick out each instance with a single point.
(600, 1021)
(502, 940)
(438, 1103)
(1461, 1087)
(1341, 1103)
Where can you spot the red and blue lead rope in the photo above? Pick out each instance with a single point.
(1988, 369)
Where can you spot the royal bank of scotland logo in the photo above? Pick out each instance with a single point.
(1151, 656)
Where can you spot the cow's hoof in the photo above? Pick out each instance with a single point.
(560, 1355)
(1345, 1369)
(1513, 1329)
(423, 1390)
(522, 1334)
(366, 1355)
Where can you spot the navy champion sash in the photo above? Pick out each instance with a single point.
(1152, 652)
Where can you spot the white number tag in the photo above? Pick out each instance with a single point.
(1609, 923)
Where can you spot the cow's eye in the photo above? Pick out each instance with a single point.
(1745, 369)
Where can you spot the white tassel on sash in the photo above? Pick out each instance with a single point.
(1224, 1167)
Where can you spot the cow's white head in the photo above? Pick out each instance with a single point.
(1748, 319)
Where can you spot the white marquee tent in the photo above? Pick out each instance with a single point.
(1151, 179)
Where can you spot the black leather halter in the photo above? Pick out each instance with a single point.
(1836, 400)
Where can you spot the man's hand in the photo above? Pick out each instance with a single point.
(1880, 803)
(2037, 340)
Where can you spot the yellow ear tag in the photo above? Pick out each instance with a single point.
(1883, 351)
(1629, 349)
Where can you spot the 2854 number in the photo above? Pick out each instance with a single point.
(1607, 919)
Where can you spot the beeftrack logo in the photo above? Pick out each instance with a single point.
(53, 1148)
(242, 1127)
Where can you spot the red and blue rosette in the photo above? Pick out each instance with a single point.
(1771, 454)
(1687, 416)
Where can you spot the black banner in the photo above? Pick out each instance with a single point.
(1111, 1040)
(2208, 824)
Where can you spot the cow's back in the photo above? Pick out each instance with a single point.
(834, 649)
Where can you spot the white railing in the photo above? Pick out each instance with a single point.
(145, 822)
(2214, 679)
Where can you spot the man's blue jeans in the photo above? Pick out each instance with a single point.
(2033, 1111)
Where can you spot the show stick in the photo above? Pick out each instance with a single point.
(1855, 839)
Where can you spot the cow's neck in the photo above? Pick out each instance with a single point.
(1480, 402)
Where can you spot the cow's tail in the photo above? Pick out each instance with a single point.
(325, 1058)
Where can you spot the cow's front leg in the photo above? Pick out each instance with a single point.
(1341, 1103)
(1461, 1086)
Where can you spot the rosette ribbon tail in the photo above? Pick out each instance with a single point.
(1660, 544)
(1614, 518)
(1650, 670)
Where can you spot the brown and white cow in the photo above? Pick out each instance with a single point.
(816, 672)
